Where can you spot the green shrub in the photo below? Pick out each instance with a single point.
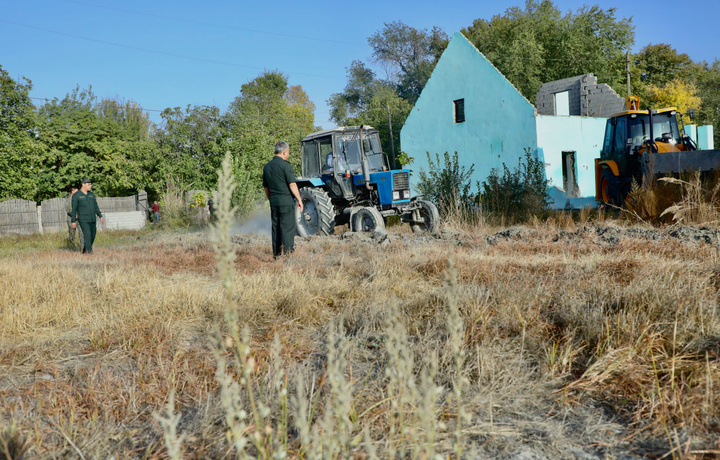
(518, 194)
(446, 183)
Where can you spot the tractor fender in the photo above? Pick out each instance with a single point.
(350, 212)
(309, 182)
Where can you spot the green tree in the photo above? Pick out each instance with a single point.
(367, 101)
(654, 66)
(708, 84)
(267, 110)
(409, 55)
(102, 140)
(20, 153)
(191, 145)
(674, 93)
(538, 44)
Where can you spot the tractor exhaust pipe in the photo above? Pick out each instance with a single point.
(364, 162)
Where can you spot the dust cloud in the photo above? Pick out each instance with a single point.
(258, 223)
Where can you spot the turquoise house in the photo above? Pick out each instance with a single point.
(469, 107)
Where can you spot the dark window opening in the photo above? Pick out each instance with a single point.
(459, 110)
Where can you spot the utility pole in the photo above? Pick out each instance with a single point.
(627, 65)
(392, 139)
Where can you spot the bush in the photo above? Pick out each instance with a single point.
(518, 194)
(447, 184)
(176, 213)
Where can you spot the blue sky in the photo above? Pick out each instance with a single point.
(163, 53)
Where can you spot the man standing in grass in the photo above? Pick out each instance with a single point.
(280, 187)
(71, 229)
(84, 210)
(156, 212)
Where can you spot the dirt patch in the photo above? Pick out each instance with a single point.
(610, 235)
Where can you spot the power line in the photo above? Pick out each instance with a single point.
(203, 23)
(158, 110)
(163, 53)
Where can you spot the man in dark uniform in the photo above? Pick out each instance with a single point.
(280, 188)
(71, 229)
(84, 210)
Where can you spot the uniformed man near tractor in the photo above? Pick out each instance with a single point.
(281, 190)
(71, 230)
(84, 210)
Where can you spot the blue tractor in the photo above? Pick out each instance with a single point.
(346, 179)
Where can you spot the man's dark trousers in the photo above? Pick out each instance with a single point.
(89, 229)
(283, 229)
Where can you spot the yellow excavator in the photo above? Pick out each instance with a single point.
(641, 145)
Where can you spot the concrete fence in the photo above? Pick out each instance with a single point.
(19, 217)
(26, 217)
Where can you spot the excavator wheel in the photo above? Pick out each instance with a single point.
(609, 188)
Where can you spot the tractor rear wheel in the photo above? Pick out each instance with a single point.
(318, 215)
(367, 219)
(430, 218)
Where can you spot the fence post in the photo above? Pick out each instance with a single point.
(39, 212)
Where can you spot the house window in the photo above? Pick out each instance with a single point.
(562, 104)
(459, 110)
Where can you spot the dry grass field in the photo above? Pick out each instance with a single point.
(552, 340)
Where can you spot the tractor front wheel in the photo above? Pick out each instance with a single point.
(367, 219)
(429, 221)
(318, 215)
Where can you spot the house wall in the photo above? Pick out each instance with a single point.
(500, 122)
(705, 138)
(587, 97)
(583, 135)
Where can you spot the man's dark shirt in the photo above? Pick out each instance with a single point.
(84, 207)
(277, 177)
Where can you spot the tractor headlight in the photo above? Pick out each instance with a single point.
(406, 194)
(396, 195)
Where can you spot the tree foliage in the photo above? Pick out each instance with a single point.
(539, 44)
(708, 84)
(194, 140)
(83, 137)
(45, 149)
(675, 93)
(409, 55)
(267, 110)
(20, 153)
(368, 101)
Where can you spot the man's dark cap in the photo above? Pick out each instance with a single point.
(86, 181)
